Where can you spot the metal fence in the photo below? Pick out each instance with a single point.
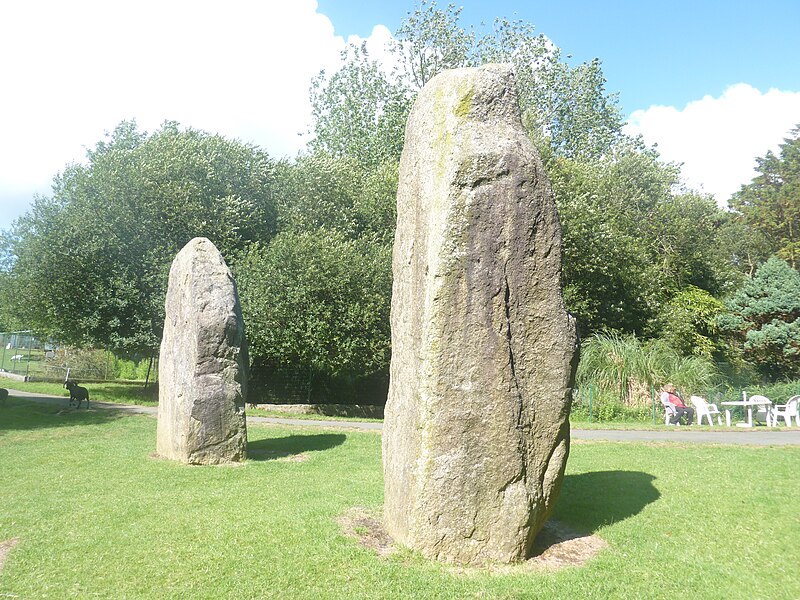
(34, 357)
(19, 349)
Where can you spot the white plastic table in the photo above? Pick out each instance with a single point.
(749, 404)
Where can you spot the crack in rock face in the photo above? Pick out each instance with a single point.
(476, 430)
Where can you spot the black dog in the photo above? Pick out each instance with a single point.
(3, 396)
(77, 393)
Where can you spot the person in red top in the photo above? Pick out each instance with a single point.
(680, 408)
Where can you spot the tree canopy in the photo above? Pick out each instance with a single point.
(91, 262)
(359, 112)
(630, 242)
(764, 315)
(361, 109)
(771, 202)
(310, 239)
(318, 299)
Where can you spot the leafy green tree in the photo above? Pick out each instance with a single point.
(745, 248)
(338, 193)
(318, 299)
(764, 317)
(689, 322)
(431, 41)
(770, 204)
(318, 190)
(630, 244)
(687, 235)
(91, 263)
(565, 109)
(359, 112)
(608, 280)
(326, 278)
(7, 318)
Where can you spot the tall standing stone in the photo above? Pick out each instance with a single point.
(203, 364)
(476, 431)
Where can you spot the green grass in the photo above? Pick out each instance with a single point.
(260, 412)
(97, 517)
(31, 362)
(115, 392)
(134, 393)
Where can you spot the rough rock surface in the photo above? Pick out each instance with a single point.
(203, 362)
(476, 431)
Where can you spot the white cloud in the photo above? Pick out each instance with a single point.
(73, 70)
(719, 139)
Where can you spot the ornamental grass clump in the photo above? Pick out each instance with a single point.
(624, 367)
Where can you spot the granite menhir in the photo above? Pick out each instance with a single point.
(476, 430)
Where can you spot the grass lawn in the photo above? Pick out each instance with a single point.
(115, 392)
(97, 517)
(134, 393)
(260, 412)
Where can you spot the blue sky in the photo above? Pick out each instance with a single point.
(653, 52)
(713, 84)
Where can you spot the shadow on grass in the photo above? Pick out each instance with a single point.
(292, 445)
(590, 501)
(19, 414)
(128, 393)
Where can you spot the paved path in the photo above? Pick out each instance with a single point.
(747, 437)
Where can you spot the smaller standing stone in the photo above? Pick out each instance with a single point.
(203, 362)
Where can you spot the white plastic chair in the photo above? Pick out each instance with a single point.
(762, 411)
(669, 409)
(787, 411)
(705, 409)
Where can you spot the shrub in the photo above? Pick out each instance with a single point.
(627, 369)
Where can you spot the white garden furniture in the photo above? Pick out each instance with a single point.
(763, 409)
(669, 409)
(705, 409)
(762, 405)
(787, 411)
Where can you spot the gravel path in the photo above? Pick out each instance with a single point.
(748, 437)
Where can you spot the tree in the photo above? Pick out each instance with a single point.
(91, 263)
(359, 112)
(770, 204)
(630, 243)
(764, 317)
(318, 299)
(337, 193)
(432, 41)
(689, 322)
(7, 317)
(565, 109)
(745, 247)
(688, 238)
(608, 280)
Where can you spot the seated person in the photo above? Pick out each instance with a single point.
(680, 408)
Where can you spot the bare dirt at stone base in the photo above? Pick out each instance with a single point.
(556, 546)
(5, 550)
